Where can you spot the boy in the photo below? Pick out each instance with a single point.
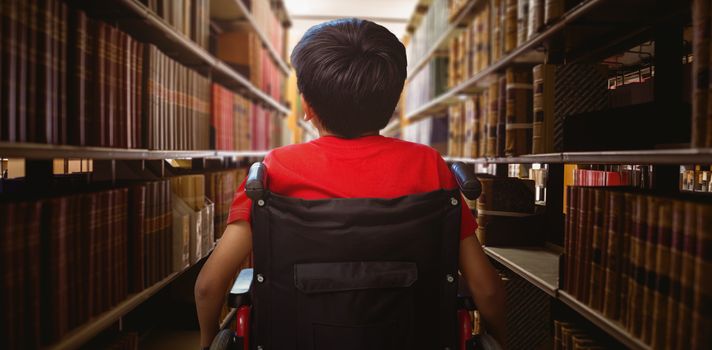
(350, 73)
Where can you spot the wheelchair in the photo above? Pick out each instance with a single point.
(357, 273)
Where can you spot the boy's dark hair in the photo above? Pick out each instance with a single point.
(351, 71)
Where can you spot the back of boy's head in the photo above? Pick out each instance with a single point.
(351, 72)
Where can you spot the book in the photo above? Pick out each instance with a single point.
(702, 286)
(667, 214)
(543, 108)
(536, 17)
(491, 119)
(615, 255)
(519, 112)
(700, 73)
(504, 209)
(598, 249)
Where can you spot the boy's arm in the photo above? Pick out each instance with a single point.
(217, 274)
(485, 285)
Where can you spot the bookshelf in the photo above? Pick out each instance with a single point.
(586, 33)
(442, 42)
(227, 11)
(665, 156)
(93, 327)
(537, 265)
(540, 267)
(42, 151)
(531, 52)
(143, 23)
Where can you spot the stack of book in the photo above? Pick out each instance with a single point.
(190, 17)
(267, 20)
(429, 82)
(640, 260)
(696, 179)
(470, 49)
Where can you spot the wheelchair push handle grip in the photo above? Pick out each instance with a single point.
(466, 179)
(256, 184)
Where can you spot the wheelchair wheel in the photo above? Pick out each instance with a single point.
(225, 340)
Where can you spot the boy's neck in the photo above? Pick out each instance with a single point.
(323, 133)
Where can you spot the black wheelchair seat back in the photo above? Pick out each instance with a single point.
(355, 273)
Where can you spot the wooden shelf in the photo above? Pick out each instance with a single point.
(444, 40)
(538, 266)
(234, 10)
(665, 156)
(526, 159)
(139, 21)
(43, 151)
(96, 325)
(532, 51)
(613, 328)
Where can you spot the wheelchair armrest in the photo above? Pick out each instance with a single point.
(240, 292)
(466, 179)
(464, 298)
(256, 183)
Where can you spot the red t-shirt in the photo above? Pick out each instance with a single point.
(365, 167)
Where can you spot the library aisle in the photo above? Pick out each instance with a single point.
(127, 126)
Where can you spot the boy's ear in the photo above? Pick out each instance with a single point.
(308, 111)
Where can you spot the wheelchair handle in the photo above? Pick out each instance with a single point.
(256, 184)
(466, 179)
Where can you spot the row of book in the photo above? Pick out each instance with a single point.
(220, 188)
(496, 30)
(429, 82)
(69, 258)
(696, 179)
(641, 260)
(242, 49)
(176, 108)
(523, 112)
(570, 336)
(267, 20)
(189, 17)
(702, 84)
(432, 27)
(430, 131)
(76, 80)
(231, 120)
(637, 176)
(506, 212)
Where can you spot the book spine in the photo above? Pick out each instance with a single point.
(700, 71)
(661, 289)
(637, 261)
(597, 266)
(702, 290)
(510, 25)
(491, 124)
(610, 289)
(650, 252)
(519, 112)
(536, 17)
(687, 277)
(522, 21)
(553, 10)
(674, 271)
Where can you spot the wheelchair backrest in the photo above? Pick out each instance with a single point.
(356, 273)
